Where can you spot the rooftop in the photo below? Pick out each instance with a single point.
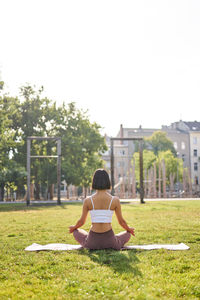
(193, 126)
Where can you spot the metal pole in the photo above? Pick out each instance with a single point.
(28, 171)
(177, 191)
(58, 170)
(112, 167)
(164, 178)
(159, 180)
(133, 180)
(141, 172)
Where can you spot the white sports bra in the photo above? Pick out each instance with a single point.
(101, 215)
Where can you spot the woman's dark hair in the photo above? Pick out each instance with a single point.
(101, 180)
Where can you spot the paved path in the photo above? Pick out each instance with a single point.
(158, 199)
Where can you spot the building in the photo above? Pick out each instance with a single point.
(184, 135)
(192, 129)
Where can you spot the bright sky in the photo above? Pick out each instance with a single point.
(130, 62)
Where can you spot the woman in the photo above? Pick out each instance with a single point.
(101, 206)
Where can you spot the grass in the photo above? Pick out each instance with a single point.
(105, 274)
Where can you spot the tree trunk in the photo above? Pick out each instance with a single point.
(85, 192)
(2, 192)
(67, 191)
(184, 183)
(51, 191)
(32, 191)
(37, 191)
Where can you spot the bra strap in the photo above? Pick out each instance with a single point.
(110, 202)
(92, 202)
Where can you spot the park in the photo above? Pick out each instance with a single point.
(100, 150)
(32, 158)
(101, 274)
(44, 147)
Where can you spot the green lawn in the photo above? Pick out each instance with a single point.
(105, 274)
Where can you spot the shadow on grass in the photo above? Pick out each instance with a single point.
(120, 262)
(33, 206)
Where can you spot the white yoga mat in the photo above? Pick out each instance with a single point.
(66, 247)
(180, 246)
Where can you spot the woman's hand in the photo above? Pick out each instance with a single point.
(72, 228)
(131, 230)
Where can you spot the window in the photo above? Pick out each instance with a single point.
(195, 152)
(122, 152)
(175, 145)
(194, 140)
(183, 145)
(196, 180)
(195, 166)
(120, 164)
(183, 157)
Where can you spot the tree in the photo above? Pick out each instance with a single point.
(8, 142)
(82, 145)
(35, 120)
(34, 115)
(159, 142)
(81, 140)
(173, 165)
(148, 160)
(11, 177)
(1, 85)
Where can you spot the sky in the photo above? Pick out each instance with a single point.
(127, 62)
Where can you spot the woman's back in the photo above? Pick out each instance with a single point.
(101, 201)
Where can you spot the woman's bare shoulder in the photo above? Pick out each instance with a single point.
(115, 198)
(87, 199)
(116, 201)
(87, 202)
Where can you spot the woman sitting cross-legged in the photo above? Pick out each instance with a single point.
(101, 206)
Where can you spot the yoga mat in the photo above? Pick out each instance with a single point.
(66, 247)
(180, 246)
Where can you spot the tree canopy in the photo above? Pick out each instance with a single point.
(159, 141)
(156, 149)
(35, 115)
(8, 140)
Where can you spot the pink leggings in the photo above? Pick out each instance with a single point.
(95, 241)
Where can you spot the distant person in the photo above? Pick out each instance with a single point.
(101, 206)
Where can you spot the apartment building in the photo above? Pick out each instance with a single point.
(184, 135)
(193, 131)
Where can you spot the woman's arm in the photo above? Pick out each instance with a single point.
(82, 219)
(120, 218)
